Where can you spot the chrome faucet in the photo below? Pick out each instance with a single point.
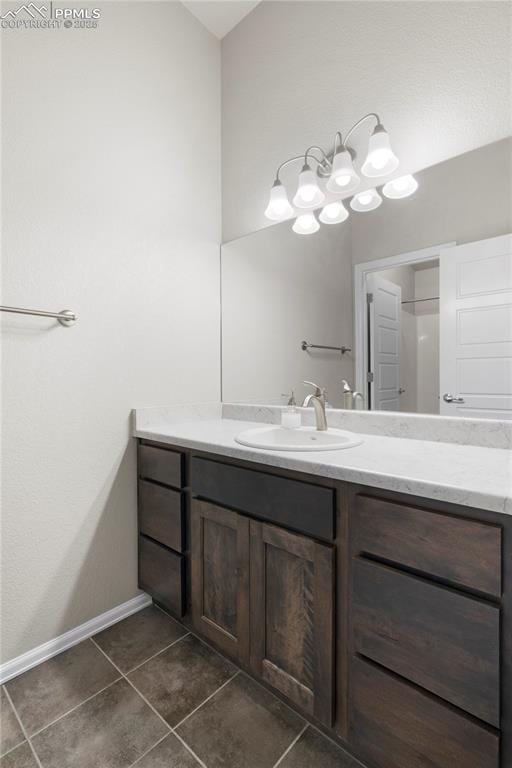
(317, 400)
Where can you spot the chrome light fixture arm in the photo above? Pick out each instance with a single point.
(362, 120)
(304, 159)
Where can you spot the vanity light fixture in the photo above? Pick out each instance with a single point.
(380, 160)
(308, 195)
(278, 208)
(306, 223)
(368, 200)
(335, 173)
(343, 178)
(401, 187)
(333, 213)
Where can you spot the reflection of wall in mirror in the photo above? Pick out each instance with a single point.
(279, 288)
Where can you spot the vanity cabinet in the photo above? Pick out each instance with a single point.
(220, 577)
(292, 617)
(384, 618)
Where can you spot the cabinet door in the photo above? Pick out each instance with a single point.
(292, 598)
(220, 577)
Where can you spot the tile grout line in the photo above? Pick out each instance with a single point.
(291, 746)
(207, 699)
(69, 711)
(356, 761)
(24, 730)
(187, 747)
(4, 754)
(141, 757)
(182, 637)
(169, 728)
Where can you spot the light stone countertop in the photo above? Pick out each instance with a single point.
(469, 475)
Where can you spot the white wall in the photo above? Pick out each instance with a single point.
(295, 72)
(279, 288)
(106, 134)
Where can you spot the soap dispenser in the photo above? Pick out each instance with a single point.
(290, 417)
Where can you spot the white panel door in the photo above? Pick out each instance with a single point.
(384, 331)
(476, 329)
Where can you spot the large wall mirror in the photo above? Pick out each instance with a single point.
(409, 304)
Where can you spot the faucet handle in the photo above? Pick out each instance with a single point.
(319, 391)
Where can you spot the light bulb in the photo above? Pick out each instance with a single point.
(380, 159)
(306, 224)
(366, 201)
(309, 194)
(333, 213)
(343, 176)
(402, 187)
(278, 207)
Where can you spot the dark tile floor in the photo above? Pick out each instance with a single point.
(147, 693)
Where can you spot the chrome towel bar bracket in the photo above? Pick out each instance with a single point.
(65, 317)
(305, 346)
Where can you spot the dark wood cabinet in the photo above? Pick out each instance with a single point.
(162, 575)
(161, 514)
(292, 598)
(446, 642)
(383, 618)
(220, 577)
(462, 552)
(396, 725)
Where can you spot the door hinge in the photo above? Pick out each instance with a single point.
(369, 298)
(369, 377)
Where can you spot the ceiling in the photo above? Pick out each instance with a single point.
(220, 16)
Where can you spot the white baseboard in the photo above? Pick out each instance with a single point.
(51, 648)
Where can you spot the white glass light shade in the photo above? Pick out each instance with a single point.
(306, 224)
(333, 213)
(309, 194)
(401, 187)
(380, 159)
(278, 207)
(343, 178)
(366, 201)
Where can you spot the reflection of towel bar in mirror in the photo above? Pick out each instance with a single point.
(65, 317)
(413, 301)
(305, 346)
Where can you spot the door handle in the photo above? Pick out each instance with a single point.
(452, 398)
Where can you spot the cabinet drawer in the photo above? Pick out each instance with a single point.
(394, 725)
(464, 552)
(162, 575)
(161, 514)
(444, 641)
(301, 506)
(161, 465)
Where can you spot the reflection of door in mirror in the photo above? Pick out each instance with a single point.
(403, 338)
(476, 323)
(384, 300)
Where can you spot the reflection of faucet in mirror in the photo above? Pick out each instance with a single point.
(317, 400)
(351, 398)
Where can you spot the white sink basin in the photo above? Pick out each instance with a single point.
(302, 439)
